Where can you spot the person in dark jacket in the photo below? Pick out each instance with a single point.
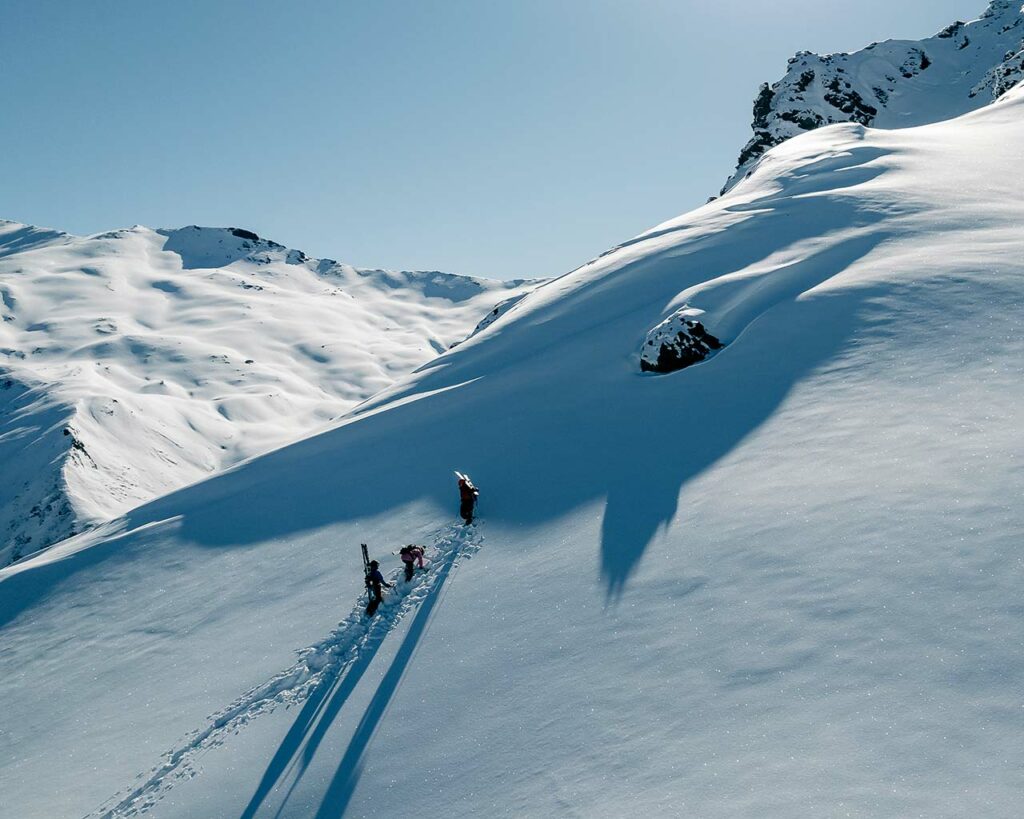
(375, 582)
(467, 497)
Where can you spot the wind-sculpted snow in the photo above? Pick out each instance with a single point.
(173, 354)
(895, 84)
(784, 582)
(337, 660)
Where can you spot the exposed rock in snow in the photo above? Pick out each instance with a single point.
(136, 361)
(1001, 78)
(895, 84)
(678, 342)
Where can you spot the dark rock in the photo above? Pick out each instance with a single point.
(677, 343)
(805, 81)
(842, 96)
(807, 120)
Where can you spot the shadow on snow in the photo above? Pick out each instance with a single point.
(300, 744)
(539, 460)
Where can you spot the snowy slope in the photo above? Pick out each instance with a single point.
(895, 84)
(138, 361)
(783, 582)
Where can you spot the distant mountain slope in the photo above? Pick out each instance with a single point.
(782, 582)
(136, 361)
(895, 84)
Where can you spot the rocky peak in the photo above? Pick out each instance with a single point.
(894, 84)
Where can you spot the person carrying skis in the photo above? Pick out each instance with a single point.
(409, 555)
(374, 583)
(467, 495)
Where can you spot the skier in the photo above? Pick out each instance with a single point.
(374, 583)
(468, 495)
(409, 555)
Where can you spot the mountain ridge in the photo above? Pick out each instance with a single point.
(134, 361)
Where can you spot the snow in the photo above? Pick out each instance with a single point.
(785, 581)
(169, 355)
(345, 653)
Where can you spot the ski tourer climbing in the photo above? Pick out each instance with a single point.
(467, 496)
(375, 584)
(410, 555)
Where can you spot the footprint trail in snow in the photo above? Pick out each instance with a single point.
(326, 660)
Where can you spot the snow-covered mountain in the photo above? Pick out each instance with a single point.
(783, 581)
(895, 84)
(137, 361)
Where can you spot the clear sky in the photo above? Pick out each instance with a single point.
(504, 139)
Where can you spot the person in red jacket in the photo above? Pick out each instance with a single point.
(467, 495)
(409, 554)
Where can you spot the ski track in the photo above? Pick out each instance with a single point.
(329, 658)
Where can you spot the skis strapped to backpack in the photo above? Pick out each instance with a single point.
(472, 487)
(366, 572)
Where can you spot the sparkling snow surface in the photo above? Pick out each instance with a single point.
(784, 582)
(169, 355)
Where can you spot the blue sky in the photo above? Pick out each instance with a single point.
(491, 138)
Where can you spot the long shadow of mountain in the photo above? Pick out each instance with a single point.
(605, 432)
(549, 413)
(668, 432)
(542, 440)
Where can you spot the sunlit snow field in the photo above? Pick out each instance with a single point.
(782, 582)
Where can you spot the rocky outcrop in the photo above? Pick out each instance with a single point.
(895, 84)
(678, 342)
(1001, 78)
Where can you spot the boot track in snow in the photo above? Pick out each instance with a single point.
(330, 659)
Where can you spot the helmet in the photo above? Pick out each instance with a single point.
(374, 564)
